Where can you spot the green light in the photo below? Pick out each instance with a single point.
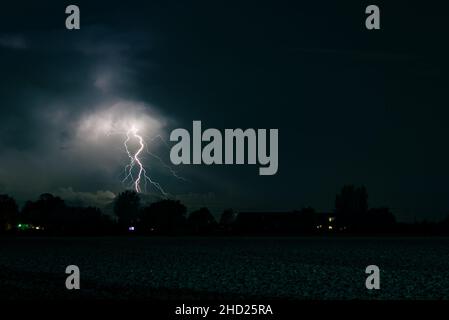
(23, 226)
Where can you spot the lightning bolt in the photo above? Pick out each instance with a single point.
(135, 162)
(169, 168)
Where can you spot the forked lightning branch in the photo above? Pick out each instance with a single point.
(136, 162)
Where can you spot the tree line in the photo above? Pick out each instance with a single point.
(50, 215)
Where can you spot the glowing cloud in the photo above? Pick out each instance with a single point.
(131, 126)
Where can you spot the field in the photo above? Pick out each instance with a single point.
(224, 268)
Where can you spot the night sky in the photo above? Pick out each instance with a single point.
(352, 106)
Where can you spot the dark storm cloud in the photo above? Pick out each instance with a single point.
(52, 89)
(13, 42)
(48, 88)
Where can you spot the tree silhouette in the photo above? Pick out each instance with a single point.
(87, 221)
(48, 211)
(8, 212)
(307, 220)
(201, 221)
(162, 217)
(379, 220)
(351, 205)
(227, 217)
(126, 208)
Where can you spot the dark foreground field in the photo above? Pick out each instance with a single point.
(224, 268)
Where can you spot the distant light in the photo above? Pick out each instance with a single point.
(330, 227)
(24, 226)
(131, 228)
(37, 228)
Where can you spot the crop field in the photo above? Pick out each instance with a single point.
(139, 268)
